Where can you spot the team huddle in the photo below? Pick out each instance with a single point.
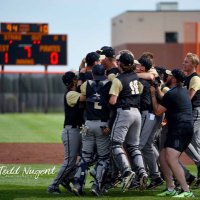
(128, 121)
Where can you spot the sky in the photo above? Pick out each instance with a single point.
(86, 22)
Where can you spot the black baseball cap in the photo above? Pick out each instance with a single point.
(98, 72)
(68, 77)
(179, 75)
(107, 51)
(127, 59)
(91, 58)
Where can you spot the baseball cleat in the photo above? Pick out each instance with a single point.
(53, 190)
(127, 179)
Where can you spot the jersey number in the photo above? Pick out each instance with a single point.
(134, 87)
(97, 106)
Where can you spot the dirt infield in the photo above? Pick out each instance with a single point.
(31, 153)
(35, 153)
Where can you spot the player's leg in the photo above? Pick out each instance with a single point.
(172, 157)
(193, 150)
(168, 175)
(132, 146)
(72, 141)
(102, 142)
(120, 128)
(88, 143)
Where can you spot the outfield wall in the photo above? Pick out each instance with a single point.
(31, 92)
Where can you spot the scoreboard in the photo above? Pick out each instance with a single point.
(19, 49)
(35, 47)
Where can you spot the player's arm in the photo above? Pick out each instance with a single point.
(83, 88)
(157, 108)
(74, 97)
(81, 77)
(192, 92)
(112, 76)
(149, 75)
(194, 86)
(113, 99)
(82, 65)
(160, 93)
(83, 92)
(115, 89)
(82, 98)
(146, 76)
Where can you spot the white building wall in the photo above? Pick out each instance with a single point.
(150, 26)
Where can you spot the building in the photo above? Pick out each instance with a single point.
(167, 32)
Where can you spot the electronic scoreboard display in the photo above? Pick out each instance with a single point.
(33, 49)
(24, 28)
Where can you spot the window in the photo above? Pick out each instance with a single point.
(171, 37)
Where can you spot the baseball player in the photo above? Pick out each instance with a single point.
(71, 137)
(150, 124)
(192, 82)
(125, 95)
(129, 52)
(109, 62)
(112, 70)
(97, 115)
(85, 73)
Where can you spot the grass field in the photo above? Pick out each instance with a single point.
(35, 128)
(46, 129)
(26, 186)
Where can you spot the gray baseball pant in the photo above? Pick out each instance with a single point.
(126, 129)
(94, 137)
(150, 124)
(193, 150)
(71, 139)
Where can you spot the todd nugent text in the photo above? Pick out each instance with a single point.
(25, 171)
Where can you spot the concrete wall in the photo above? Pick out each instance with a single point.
(150, 27)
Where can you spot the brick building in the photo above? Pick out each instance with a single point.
(167, 32)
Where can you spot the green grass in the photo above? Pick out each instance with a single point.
(27, 187)
(34, 128)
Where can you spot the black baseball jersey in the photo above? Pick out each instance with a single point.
(179, 108)
(86, 76)
(196, 99)
(126, 87)
(145, 98)
(113, 70)
(97, 97)
(73, 112)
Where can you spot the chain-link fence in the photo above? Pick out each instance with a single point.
(31, 92)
